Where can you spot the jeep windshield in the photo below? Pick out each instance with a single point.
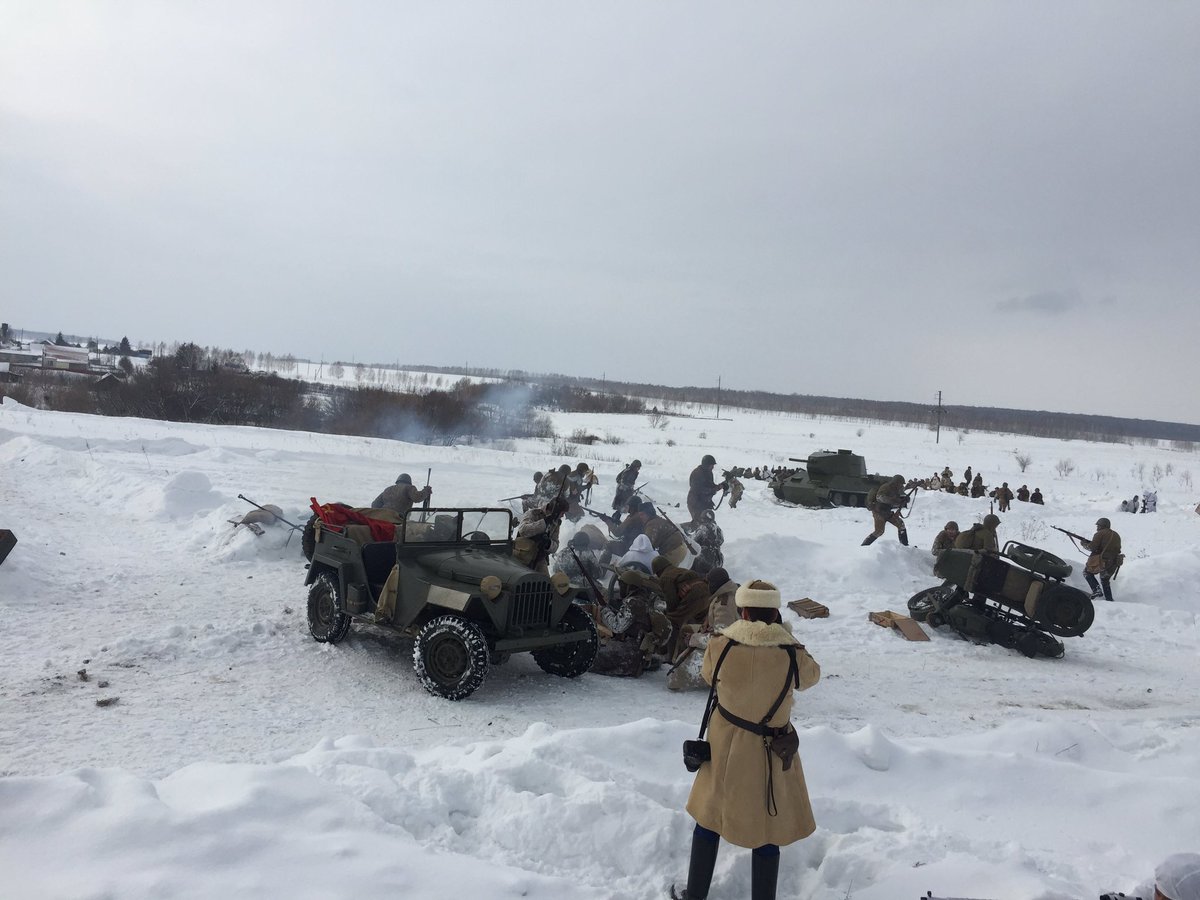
(456, 526)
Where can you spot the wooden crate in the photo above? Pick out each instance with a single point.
(809, 609)
(910, 629)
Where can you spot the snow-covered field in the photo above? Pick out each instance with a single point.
(243, 759)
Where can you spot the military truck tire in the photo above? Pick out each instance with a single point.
(327, 623)
(308, 538)
(1036, 560)
(451, 657)
(935, 620)
(571, 660)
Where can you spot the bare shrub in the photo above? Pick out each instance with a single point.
(1138, 471)
(1185, 479)
(1064, 467)
(1156, 474)
(564, 448)
(670, 442)
(1033, 531)
(1023, 459)
(613, 438)
(583, 436)
(657, 419)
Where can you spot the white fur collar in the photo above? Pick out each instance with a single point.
(759, 634)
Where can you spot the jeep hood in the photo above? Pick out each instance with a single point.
(469, 565)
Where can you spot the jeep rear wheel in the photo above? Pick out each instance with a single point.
(451, 657)
(326, 621)
(571, 660)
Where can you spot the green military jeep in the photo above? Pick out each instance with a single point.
(458, 592)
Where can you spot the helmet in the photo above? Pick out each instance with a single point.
(708, 460)
(636, 464)
(582, 467)
(537, 476)
(564, 469)
(404, 478)
(952, 526)
(897, 479)
(648, 509)
(634, 505)
(991, 520)
(580, 540)
(1103, 523)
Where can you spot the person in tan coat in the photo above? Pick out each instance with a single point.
(746, 793)
(980, 536)
(1105, 559)
(401, 496)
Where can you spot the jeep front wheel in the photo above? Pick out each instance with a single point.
(571, 660)
(451, 657)
(326, 621)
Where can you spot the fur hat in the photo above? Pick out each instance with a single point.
(1178, 876)
(759, 594)
(659, 564)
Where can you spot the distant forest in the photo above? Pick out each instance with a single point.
(1040, 423)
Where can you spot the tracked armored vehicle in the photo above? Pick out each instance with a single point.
(830, 479)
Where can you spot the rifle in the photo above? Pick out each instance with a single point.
(518, 497)
(428, 473)
(599, 515)
(272, 512)
(292, 525)
(695, 550)
(599, 594)
(1074, 537)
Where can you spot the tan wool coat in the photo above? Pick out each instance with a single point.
(729, 794)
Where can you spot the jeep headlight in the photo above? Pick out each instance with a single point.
(561, 583)
(490, 586)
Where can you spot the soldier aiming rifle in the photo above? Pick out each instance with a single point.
(1104, 556)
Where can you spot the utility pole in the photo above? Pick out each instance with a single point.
(938, 438)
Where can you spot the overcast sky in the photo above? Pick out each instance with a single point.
(999, 200)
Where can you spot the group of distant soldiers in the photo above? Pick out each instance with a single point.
(973, 486)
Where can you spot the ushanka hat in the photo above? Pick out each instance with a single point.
(758, 594)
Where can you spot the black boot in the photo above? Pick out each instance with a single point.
(1094, 585)
(700, 870)
(904, 536)
(1106, 586)
(764, 875)
(869, 540)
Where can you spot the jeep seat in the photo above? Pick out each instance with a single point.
(378, 559)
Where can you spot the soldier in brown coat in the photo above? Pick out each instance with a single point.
(687, 595)
(889, 500)
(945, 539)
(1004, 496)
(665, 538)
(701, 488)
(1023, 493)
(746, 794)
(1105, 547)
(980, 537)
(401, 496)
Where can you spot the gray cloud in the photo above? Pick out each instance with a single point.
(1051, 303)
(748, 190)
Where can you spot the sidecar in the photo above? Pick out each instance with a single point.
(1016, 598)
